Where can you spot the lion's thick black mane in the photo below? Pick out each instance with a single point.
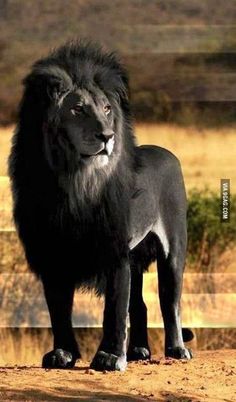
(62, 233)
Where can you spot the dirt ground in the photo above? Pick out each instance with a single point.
(209, 377)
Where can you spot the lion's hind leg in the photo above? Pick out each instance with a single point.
(138, 342)
(171, 261)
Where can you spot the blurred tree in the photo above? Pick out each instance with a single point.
(3, 9)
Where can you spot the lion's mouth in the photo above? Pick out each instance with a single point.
(106, 150)
(102, 152)
(102, 156)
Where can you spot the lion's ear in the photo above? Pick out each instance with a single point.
(121, 87)
(54, 88)
(48, 83)
(123, 92)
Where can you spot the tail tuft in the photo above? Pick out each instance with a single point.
(187, 334)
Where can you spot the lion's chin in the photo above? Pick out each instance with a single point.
(101, 160)
(98, 161)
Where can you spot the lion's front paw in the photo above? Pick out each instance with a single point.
(58, 358)
(138, 353)
(108, 361)
(179, 353)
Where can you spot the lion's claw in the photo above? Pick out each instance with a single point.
(179, 353)
(138, 353)
(108, 361)
(58, 358)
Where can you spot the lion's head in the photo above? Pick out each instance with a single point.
(75, 116)
(81, 130)
(83, 101)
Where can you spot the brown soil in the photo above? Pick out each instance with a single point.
(209, 377)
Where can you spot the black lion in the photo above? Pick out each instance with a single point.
(92, 208)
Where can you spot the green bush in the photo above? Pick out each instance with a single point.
(208, 237)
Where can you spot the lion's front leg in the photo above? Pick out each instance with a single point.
(59, 296)
(111, 354)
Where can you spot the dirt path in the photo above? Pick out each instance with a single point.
(211, 376)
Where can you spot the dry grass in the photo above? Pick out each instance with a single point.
(26, 346)
(206, 155)
(5, 143)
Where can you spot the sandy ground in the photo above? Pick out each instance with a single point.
(209, 377)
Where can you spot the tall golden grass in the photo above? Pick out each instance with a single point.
(206, 155)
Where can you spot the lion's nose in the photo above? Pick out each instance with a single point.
(106, 135)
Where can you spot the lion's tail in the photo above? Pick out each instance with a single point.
(188, 335)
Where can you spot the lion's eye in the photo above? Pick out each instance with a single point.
(76, 110)
(107, 109)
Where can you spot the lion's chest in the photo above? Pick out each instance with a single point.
(93, 240)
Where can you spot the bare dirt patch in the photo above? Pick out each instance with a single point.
(209, 377)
